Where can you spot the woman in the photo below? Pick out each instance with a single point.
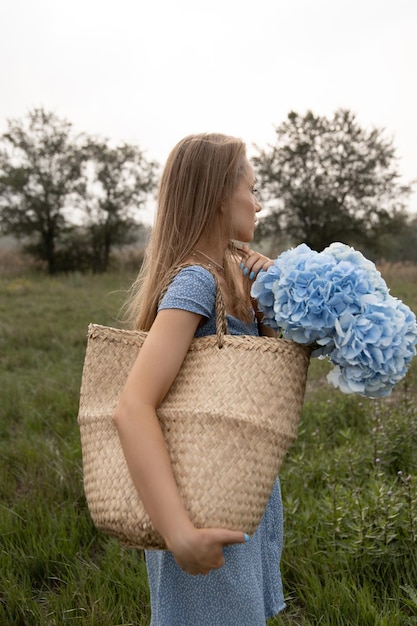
(207, 200)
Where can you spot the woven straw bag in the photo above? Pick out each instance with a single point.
(228, 420)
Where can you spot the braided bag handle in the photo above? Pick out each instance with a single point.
(221, 320)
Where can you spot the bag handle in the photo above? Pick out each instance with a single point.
(221, 319)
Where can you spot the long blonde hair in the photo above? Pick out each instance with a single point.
(199, 177)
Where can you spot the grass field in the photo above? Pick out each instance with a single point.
(349, 483)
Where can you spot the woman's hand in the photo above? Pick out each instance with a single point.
(253, 262)
(200, 550)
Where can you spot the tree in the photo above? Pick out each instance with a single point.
(40, 169)
(330, 180)
(49, 177)
(117, 183)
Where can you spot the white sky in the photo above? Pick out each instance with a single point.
(151, 71)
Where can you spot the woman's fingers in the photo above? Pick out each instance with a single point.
(254, 262)
(205, 552)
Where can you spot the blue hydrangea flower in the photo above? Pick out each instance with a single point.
(338, 301)
(372, 351)
(342, 252)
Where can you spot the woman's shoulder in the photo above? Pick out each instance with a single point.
(193, 288)
(193, 276)
(195, 269)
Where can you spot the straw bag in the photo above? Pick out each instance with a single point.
(228, 420)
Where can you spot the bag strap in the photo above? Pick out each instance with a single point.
(221, 319)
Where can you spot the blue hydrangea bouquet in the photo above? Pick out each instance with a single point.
(337, 302)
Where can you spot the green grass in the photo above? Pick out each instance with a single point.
(349, 483)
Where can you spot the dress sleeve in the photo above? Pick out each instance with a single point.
(193, 289)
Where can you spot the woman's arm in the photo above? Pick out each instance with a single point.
(160, 358)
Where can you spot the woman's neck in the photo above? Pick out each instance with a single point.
(209, 260)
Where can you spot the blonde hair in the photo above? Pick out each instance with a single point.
(200, 176)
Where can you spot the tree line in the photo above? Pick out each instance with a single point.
(71, 198)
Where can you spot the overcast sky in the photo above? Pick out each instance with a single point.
(150, 72)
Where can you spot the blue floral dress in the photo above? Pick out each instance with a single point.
(247, 590)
